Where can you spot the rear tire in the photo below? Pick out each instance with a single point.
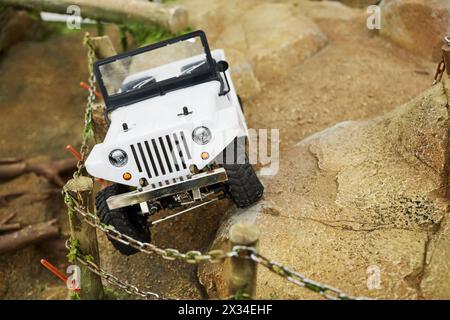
(125, 220)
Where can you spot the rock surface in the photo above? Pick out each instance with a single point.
(417, 25)
(263, 39)
(16, 26)
(357, 197)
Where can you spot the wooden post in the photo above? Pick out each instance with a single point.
(242, 272)
(102, 46)
(91, 284)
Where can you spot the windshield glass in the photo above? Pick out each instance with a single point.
(145, 69)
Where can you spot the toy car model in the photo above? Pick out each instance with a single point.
(176, 135)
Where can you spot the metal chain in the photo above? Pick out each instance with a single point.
(296, 278)
(193, 256)
(112, 279)
(215, 256)
(88, 131)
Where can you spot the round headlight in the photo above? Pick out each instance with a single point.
(201, 135)
(118, 158)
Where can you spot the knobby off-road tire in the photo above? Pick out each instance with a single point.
(243, 186)
(125, 220)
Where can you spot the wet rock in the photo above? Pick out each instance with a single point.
(356, 201)
(417, 25)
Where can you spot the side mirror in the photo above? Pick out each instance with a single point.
(222, 66)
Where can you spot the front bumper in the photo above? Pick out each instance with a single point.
(203, 179)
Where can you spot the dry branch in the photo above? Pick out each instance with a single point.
(5, 227)
(10, 227)
(29, 235)
(52, 170)
(173, 18)
(6, 219)
(5, 198)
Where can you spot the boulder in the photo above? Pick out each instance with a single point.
(16, 26)
(417, 25)
(263, 39)
(357, 197)
(274, 39)
(318, 10)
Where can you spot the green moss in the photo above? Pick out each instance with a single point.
(75, 296)
(241, 294)
(73, 250)
(89, 257)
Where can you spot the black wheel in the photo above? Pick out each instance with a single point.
(125, 220)
(243, 185)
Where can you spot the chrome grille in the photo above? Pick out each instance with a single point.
(161, 156)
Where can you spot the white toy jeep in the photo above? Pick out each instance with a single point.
(176, 137)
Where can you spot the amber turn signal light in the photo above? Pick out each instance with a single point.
(205, 155)
(126, 176)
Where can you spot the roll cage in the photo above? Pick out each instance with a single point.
(210, 71)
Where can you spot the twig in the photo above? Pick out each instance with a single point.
(4, 198)
(29, 235)
(52, 170)
(10, 227)
(8, 218)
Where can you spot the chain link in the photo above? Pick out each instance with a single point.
(193, 256)
(296, 278)
(112, 279)
(88, 131)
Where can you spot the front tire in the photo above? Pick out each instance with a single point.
(243, 185)
(126, 220)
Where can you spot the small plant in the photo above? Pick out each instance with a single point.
(75, 296)
(89, 257)
(73, 250)
(241, 294)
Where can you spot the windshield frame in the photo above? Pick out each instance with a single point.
(115, 101)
